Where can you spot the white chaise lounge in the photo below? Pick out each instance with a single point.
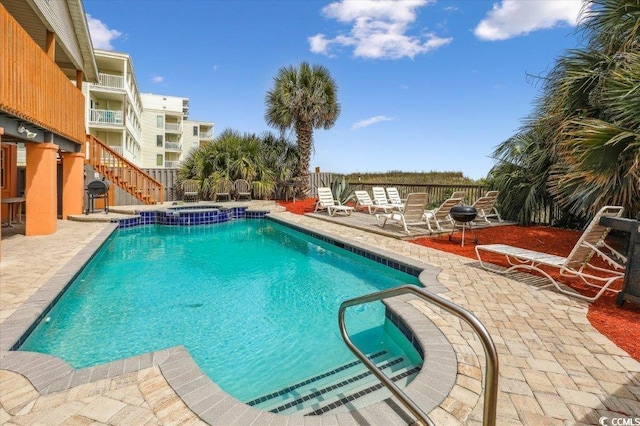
(411, 214)
(326, 201)
(576, 264)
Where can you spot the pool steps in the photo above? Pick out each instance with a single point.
(351, 384)
(364, 396)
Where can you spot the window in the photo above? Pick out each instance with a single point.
(159, 141)
(195, 130)
(159, 161)
(160, 121)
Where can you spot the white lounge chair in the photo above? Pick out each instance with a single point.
(576, 264)
(441, 214)
(412, 213)
(363, 200)
(486, 207)
(380, 198)
(394, 196)
(326, 201)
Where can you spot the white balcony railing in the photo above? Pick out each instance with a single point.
(206, 135)
(112, 81)
(175, 146)
(173, 127)
(106, 116)
(171, 164)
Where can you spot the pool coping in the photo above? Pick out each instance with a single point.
(206, 399)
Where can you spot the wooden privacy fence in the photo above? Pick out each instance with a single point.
(437, 193)
(169, 179)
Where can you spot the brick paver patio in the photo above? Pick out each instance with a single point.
(555, 368)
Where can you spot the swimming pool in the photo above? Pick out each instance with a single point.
(246, 290)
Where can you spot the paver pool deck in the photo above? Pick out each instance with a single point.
(555, 368)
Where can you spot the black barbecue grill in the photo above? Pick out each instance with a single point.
(98, 189)
(462, 215)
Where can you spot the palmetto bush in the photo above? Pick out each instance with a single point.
(581, 145)
(261, 160)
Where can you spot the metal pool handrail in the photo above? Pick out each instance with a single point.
(491, 374)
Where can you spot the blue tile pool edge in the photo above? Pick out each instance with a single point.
(185, 216)
(51, 374)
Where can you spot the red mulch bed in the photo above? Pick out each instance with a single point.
(620, 324)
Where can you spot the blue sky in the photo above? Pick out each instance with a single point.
(423, 85)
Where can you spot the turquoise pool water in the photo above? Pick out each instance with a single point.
(253, 301)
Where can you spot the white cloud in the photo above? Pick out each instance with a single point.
(101, 35)
(370, 121)
(379, 29)
(157, 79)
(511, 18)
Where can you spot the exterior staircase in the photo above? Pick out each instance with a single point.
(122, 173)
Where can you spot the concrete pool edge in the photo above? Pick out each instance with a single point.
(50, 374)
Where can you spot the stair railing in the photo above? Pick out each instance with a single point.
(122, 172)
(491, 373)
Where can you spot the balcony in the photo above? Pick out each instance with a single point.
(173, 127)
(206, 135)
(105, 116)
(173, 146)
(111, 81)
(34, 88)
(171, 164)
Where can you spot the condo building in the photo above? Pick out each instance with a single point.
(114, 106)
(167, 134)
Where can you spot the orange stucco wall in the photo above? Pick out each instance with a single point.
(72, 184)
(41, 189)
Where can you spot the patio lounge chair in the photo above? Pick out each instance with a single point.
(241, 189)
(441, 214)
(486, 207)
(364, 201)
(326, 201)
(380, 198)
(394, 196)
(190, 190)
(459, 194)
(223, 190)
(412, 213)
(576, 264)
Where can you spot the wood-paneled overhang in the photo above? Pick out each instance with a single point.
(47, 52)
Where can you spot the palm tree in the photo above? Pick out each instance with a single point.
(303, 98)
